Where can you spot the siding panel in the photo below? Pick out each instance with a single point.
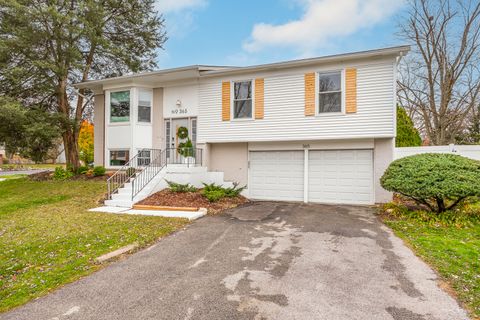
(284, 111)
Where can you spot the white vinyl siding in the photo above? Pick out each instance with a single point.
(340, 176)
(276, 175)
(284, 115)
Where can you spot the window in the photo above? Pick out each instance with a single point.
(194, 132)
(119, 157)
(144, 106)
(120, 106)
(143, 157)
(330, 92)
(242, 100)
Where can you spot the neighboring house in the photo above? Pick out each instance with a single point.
(313, 130)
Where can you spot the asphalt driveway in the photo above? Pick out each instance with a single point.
(263, 261)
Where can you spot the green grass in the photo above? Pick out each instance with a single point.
(48, 238)
(453, 250)
(45, 166)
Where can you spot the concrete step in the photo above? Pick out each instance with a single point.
(122, 196)
(119, 203)
(125, 191)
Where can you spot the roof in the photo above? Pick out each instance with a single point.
(201, 71)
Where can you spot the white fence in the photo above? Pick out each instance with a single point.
(472, 152)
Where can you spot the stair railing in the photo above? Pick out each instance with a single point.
(160, 159)
(128, 171)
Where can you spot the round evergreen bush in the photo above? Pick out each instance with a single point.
(437, 180)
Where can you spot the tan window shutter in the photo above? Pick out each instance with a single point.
(259, 98)
(226, 101)
(351, 90)
(310, 94)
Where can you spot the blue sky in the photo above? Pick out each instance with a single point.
(246, 32)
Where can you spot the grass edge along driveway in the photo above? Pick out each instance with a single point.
(453, 250)
(48, 238)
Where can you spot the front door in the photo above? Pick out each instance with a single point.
(177, 131)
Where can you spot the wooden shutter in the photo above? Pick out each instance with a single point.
(226, 101)
(310, 94)
(351, 90)
(259, 98)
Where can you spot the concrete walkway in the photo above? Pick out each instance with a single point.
(264, 261)
(27, 172)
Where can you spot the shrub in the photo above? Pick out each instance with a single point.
(438, 181)
(179, 187)
(214, 195)
(99, 171)
(82, 170)
(214, 192)
(62, 174)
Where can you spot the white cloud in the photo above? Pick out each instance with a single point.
(179, 15)
(322, 22)
(169, 6)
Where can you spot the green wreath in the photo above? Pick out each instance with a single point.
(182, 133)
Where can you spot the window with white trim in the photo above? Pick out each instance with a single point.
(143, 158)
(144, 106)
(242, 100)
(120, 106)
(119, 157)
(330, 92)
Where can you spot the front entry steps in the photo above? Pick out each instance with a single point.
(176, 173)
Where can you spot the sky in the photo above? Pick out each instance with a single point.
(249, 32)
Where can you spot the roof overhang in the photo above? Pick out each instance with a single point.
(189, 73)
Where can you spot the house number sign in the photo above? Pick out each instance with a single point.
(180, 111)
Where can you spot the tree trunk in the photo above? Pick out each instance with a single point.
(440, 205)
(70, 140)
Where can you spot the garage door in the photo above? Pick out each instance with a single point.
(343, 176)
(276, 175)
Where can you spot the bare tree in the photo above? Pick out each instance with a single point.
(440, 80)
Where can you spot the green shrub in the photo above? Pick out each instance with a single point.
(438, 181)
(99, 171)
(179, 187)
(214, 195)
(214, 192)
(234, 191)
(62, 174)
(82, 170)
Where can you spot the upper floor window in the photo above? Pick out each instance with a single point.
(120, 106)
(330, 92)
(144, 106)
(242, 100)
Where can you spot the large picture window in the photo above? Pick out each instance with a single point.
(242, 100)
(330, 92)
(144, 106)
(119, 157)
(120, 106)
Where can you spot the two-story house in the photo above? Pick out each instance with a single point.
(313, 130)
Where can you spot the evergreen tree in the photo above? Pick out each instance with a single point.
(407, 134)
(48, 45)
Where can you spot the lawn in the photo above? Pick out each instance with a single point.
(48, 238)
(453, 250)
(33, 166)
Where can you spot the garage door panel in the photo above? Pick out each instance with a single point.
(276, 175)
(341, 176)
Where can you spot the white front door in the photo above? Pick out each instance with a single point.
(276, 175)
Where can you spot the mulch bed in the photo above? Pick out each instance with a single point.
(192, 199)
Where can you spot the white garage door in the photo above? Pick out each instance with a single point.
(344, 176)
(276, 175)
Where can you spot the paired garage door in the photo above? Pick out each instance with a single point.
(334, 176)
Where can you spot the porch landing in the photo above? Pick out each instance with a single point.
(190, 215)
